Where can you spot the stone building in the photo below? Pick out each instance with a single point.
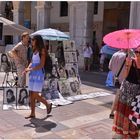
(86, 21)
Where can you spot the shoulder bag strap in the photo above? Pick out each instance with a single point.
(121, 67)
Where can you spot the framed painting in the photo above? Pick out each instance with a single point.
(9, 98)
(5, 63)
(22, 98)
(64, 88)
(74, 86)
(69, 45)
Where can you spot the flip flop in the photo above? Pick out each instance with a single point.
(111, 116)
(28, 117)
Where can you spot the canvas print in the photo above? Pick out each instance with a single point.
(67, 56)
(71, 70)
(50, 89)
(74, 56)
(62, 73)
(69, 45)
(5, 63)
(9, 98)
(55, 73)
(74, 86)
(22, 98)
(64, 88)
(12, 62)
(70, 57)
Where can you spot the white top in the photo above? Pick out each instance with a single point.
(116, 63)
(87, 52)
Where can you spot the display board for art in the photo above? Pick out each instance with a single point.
(7, 63)
(64, 79)
(15, 98)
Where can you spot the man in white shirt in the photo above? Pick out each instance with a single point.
(87, 53)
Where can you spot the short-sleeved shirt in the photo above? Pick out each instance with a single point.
(21, 51)
(116, 63)
(87, 52)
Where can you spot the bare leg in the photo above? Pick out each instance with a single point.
(32, 105)
(43, 100)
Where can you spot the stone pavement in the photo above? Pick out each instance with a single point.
(85, 119)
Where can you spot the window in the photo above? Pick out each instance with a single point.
(95, 8)
(63, 9)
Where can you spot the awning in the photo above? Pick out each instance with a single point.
(13, 29)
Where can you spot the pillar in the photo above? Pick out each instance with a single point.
(134, 22)
(81, 25)
(18, 16)
(43, 15)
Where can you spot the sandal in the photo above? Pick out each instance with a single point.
(111, 116)
(49, 108)
(28, 117)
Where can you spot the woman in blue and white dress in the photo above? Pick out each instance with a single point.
(36, 75)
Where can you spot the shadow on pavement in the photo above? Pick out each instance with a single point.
(41, 125)
(95, 78)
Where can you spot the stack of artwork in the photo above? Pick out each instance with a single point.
(15, 98)
(64, 80)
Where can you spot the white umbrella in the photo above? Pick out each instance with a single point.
(11, 28)
(51, 34)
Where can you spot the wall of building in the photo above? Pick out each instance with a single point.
(33, 15)
(55, 14)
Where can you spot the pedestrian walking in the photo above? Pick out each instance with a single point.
(36, 75)
(19, 54)
(87, 53)
(129, 89)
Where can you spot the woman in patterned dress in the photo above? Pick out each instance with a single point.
(129, 89)
(36, 75)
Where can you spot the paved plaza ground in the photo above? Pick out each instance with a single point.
(85, 119)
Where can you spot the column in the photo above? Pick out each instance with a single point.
(43, 15)
(18, 16)
(81, 25)
(134, 21)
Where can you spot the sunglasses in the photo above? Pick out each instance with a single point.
(138, 52)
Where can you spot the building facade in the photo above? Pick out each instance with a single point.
(85, 21)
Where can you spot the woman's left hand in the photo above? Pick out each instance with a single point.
(28, 69)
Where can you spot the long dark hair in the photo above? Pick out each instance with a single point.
(12, 99)
(39, 44)
(3, 56)
(21, 102)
